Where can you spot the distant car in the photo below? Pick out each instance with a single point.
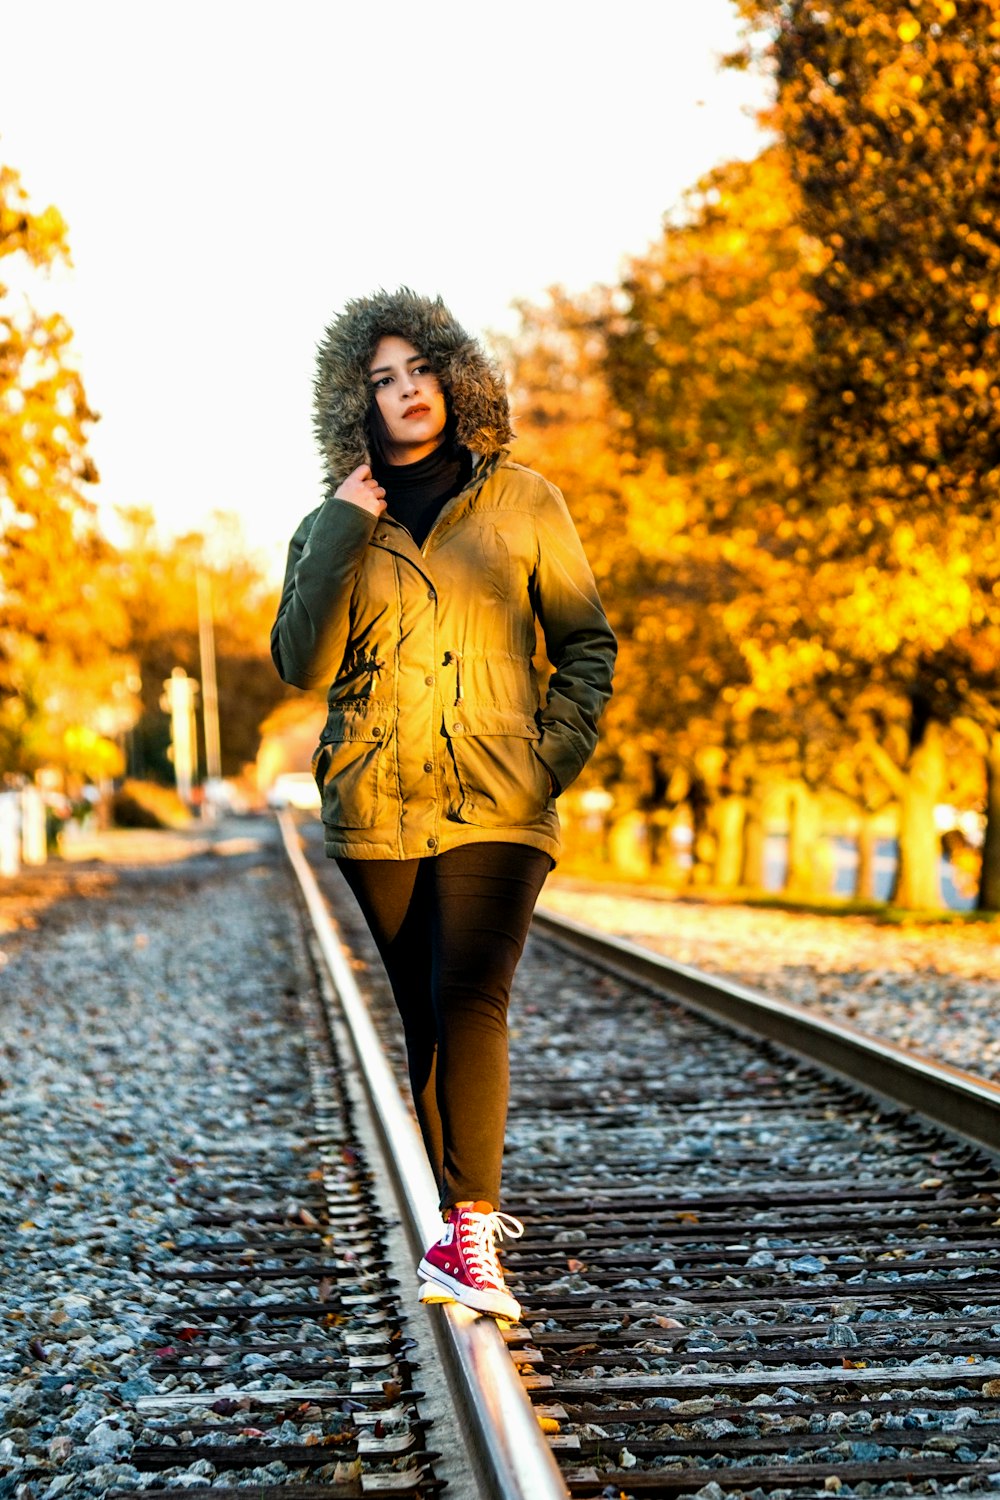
(294, 789)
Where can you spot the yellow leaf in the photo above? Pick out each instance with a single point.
(909, 29)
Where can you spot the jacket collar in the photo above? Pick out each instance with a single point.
(394, 536)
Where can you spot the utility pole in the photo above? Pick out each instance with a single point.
(210, 695)
(180, 691)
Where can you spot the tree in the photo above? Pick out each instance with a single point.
(61, 627)
(158, 584)
(888, 118)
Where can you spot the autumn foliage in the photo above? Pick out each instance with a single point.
(88, 631)
(791, 416)
(60, 629)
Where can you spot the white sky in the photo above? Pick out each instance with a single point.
(232, 170)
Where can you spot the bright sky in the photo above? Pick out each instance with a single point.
(231, 171)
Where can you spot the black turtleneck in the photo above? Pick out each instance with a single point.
(416, 493)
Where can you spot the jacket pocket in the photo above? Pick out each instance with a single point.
(347, 766)
(501, 781)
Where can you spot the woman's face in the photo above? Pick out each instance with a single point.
(410, 398)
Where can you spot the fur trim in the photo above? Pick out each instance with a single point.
(474, 383)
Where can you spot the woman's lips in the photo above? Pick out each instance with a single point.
(416, 411)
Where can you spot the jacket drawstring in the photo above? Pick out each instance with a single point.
(455, 657)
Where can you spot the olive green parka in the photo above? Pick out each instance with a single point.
(436, 734)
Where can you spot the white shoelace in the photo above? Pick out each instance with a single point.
(483, 1230)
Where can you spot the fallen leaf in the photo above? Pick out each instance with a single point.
(188, 1333)
(548, 1424)
(689, 1218)
(251, 1432)
(667, 1323)
(854, 1364)
(576, 1265)
(391, 1390)
(931, 1182)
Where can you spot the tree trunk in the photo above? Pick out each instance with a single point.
(805, 864)
(864, 885)
(918, 881)
(752, 874)
(703, 843)
(989, 883)
(628, 845)
(730, 817)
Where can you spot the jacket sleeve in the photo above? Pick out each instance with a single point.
(579, 642)
(325, 556)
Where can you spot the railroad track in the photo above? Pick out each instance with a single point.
(741, 1275)
(743, 1272)
(286, 1348)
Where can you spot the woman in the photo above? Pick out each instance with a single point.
(414, 592)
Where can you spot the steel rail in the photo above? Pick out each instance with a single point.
(966, 1105)
(508, 1449)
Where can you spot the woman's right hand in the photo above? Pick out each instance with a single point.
(359, 488)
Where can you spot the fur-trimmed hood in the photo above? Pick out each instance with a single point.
(343, 392)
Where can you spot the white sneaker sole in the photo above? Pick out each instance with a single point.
(500, 1304)
(432, 1292)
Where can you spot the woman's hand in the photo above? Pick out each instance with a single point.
(361, 489)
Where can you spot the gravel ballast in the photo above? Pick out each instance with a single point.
(933, 988)
(154, 1066)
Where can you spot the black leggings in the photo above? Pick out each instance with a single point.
(450, 929)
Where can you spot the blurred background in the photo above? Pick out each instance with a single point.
(741, 261)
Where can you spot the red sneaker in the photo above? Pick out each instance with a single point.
(464, 1261)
